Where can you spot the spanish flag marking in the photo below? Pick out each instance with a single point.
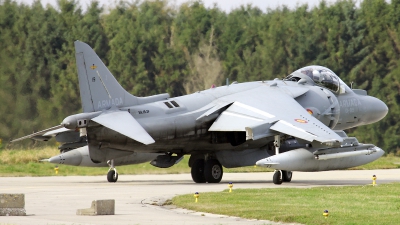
(300, 121)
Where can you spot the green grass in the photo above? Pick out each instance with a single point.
(346, 205)
(26, 163)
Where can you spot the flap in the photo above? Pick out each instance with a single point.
(124, 123)
(260, 131)
(287, 128)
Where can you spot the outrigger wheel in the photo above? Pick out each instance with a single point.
(112, 175)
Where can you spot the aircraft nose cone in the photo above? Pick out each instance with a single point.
(375, 110)
(379, 151)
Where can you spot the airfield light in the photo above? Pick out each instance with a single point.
(373, 180)
(196, 196)
(56, 170)
(326, 213)
(230, 185)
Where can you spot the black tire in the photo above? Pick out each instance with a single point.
(213, 171)
(277, 178)
(287, 176)
(197, 171)
(112, 176)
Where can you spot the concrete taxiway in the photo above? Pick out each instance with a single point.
(55, 200)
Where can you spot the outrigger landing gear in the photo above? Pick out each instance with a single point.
(112, 175)
(282, 176)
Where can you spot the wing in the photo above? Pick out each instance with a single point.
(266, 110)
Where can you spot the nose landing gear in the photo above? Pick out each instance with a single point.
(282, 176)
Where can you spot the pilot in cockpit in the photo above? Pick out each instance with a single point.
(321, 76)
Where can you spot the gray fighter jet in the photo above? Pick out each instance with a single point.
(294, 124)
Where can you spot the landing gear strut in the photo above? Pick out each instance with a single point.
(112, 175)
(206, 171)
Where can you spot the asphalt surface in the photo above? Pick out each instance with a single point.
(55, 200)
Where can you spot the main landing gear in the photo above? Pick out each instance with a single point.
(206, 171)
(282, 176)
(112, 175)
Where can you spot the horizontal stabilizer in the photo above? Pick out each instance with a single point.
(41, 135)
(123, 123)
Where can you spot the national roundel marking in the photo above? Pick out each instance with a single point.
(300, 121)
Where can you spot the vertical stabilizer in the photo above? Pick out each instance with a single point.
(98, 87)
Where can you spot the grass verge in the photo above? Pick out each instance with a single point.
(346, 205)
(26, 163)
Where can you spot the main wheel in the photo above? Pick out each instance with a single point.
(112, 176)
(287, 176)
(277, 178)
(197, 171)
(213, 171)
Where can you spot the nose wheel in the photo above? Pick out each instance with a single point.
(287, 176)
(112, 175)
(282, 176)
(277, 178)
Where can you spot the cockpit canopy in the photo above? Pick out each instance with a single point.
(321, 76)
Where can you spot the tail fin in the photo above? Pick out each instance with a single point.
(98, 87)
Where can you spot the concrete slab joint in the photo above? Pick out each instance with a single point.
(12, 205)
(99, 207)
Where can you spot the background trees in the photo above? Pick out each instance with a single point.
(152, 48)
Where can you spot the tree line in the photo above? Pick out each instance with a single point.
(152, 47)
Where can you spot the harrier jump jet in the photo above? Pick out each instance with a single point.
(294, 124)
